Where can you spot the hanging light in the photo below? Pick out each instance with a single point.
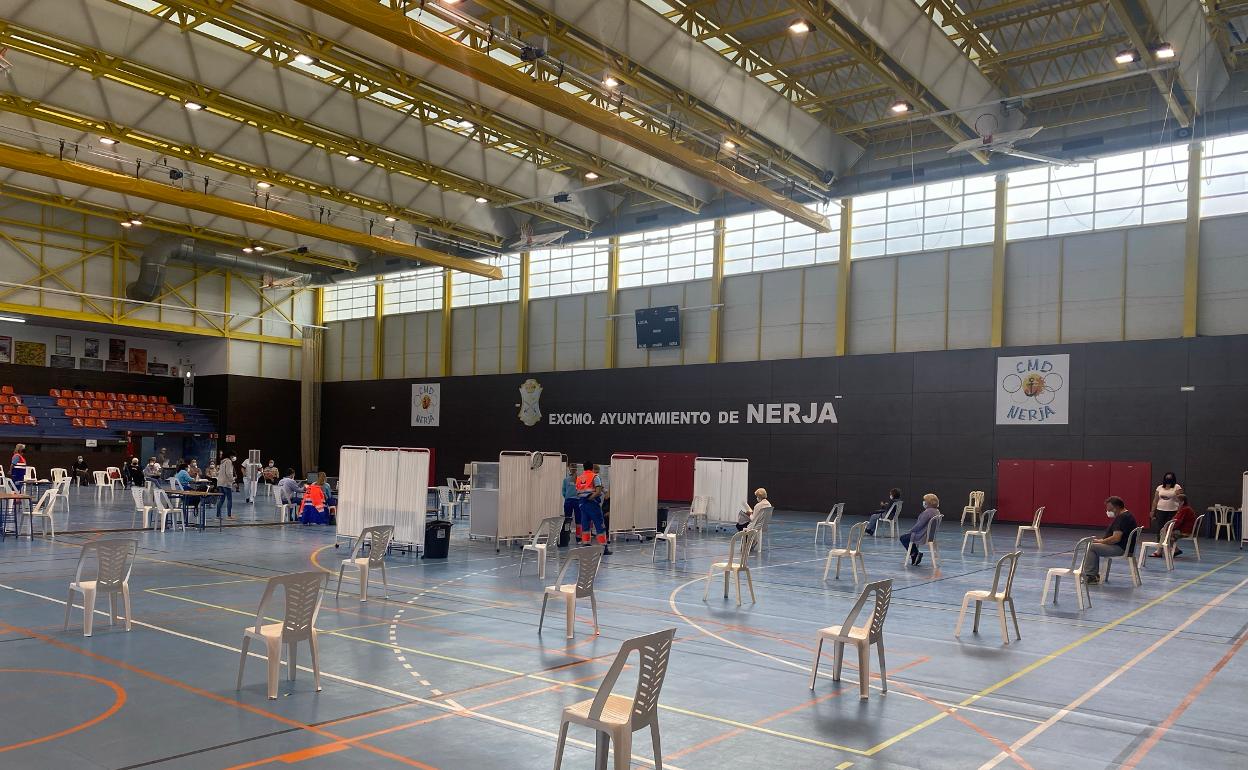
(136, 222)
(610, 82)
(730, 145)
(353, 158)
(591, 176)
(1163, 51)
(247, 249)
(263, 185)
(799, 27)
(1127, 56)
(900, 107)
(258, 247)
(392, 219)
(108, 140)
(193, 106)
(126, 223)
(464, 123)
(303, 58)
(482, 199)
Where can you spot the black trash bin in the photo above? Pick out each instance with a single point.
(565, 534)
(437, 540)
(662, 519)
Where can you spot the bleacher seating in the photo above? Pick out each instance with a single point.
(91, 409)
(67, 413)
(12, 409)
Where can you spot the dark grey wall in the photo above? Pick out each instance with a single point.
(920, 421)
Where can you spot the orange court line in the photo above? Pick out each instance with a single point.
(119, 700)
(1160, 730)
(211, 695)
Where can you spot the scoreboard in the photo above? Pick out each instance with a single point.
(658, 327)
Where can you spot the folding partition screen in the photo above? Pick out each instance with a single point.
(383, 485)
(634, 493)
(526, 495)
(725, 481)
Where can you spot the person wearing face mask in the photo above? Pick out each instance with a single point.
(746, 515)
(225, 485)
(1184, 522)
(133, 473)
(81, 472)
(1112, 542)
(917, 535)
(1165, 500)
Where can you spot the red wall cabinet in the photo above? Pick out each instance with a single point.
(1133, 483)
(1089, 486)
(1052, 490)
(1015, 480)
(1072, 492)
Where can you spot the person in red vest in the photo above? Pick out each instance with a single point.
(589, 496)
(17, 466)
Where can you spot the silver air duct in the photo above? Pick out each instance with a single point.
(156, 255)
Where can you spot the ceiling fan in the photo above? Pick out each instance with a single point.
(1003, 144)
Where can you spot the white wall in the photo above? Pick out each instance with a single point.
(159, 350)
(1086, 287)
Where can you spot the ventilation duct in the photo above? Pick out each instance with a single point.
(156, 256)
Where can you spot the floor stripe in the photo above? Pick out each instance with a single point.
(1108, 680)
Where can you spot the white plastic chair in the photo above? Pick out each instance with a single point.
(1130, 547)
(166, 511)
(58, 474)
(303, 602)
(1055, 575)
(1222, 519)
(852, 551)
(101, 481)
(974, 505)
(113, 561)
(587, 558)
(983, 532)
(1163, 543)
(62, 493)
(42, 511)
(699, 510)
(113, 476)
(862, 637)
(378, 538)
(832, 522)
(616, 717)
(1195, 536)
(544, 542)
(448, 506)
(676, 530)
(141, 508)
(737, 561)
(1033, 528)
(889, 518)
(760, 522)
(280, 503)
(1000, 594)
(933, 525)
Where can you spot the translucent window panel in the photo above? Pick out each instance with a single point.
(1226, 204)
(1112, 163)
(1165, 212)
(577, 268)
(468, 289)
(665, 255)
(1226, 145)
(1121, 180)
(351, 299)
(413, 291)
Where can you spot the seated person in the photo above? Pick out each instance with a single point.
(289, 489)
(917, 535)
(894, 496)
(746, 515)
(314, 509)
(270, 473)
(192, 468)
(133, 474)
(152, 472)
(82, 472)
(322, 481)
(1112, 542)
(1184, 520)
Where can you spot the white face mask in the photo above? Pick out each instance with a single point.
(1110, 514)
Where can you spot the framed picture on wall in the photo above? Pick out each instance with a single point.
(64, 362)
(30, 353)
(6, 350)
(138, 361)
(173, 371)
(116, 349)
(91, 347)
(91, 364)
(116, 366)
(159, 369)
(62, 345)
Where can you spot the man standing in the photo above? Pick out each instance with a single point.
(589, 498)
(225, 485)
(1112, 542)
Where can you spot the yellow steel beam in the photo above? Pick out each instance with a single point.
(1143, 39)
(998, 261)
(613, 300)
(411, 36)
(379, 330)
(278, 40)
(522, 336)
(133, 323)
(1191, 241)
(842, 276)
(717, 293)
(122, 184)
(447, 338)
(136, 75)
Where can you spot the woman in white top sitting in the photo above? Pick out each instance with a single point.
(746, 515)
(1166, 500)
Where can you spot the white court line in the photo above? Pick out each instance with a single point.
(1062, 713)
(449, 707)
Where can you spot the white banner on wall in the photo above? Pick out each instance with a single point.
(1033, 390)
(426, 404)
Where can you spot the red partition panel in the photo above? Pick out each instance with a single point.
(1015, 479)
(675, 475)
(1089, 486)
(1052, 490)
(1133, 482)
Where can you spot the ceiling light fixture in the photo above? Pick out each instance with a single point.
(392, 219)
(258, 247)
(799, 27)
(193, 106)
(465, 123)
(729, 144)
(1163, 51)
(108, 140)
(247, 249)
(610, 82)
(136, 222)
(1128, 56)
(482, 199)
(353, 158)
(591, 176)
(901, 107)
(126, 223)
(12, 319)
(263, 185)
(303, 58)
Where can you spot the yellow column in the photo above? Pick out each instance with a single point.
(446, 321)
(613, 300)
(1191, 241)
(522, 339)
(717, 292)
(318, 306)
(842, 277)
(379, 330)
(998, 262)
